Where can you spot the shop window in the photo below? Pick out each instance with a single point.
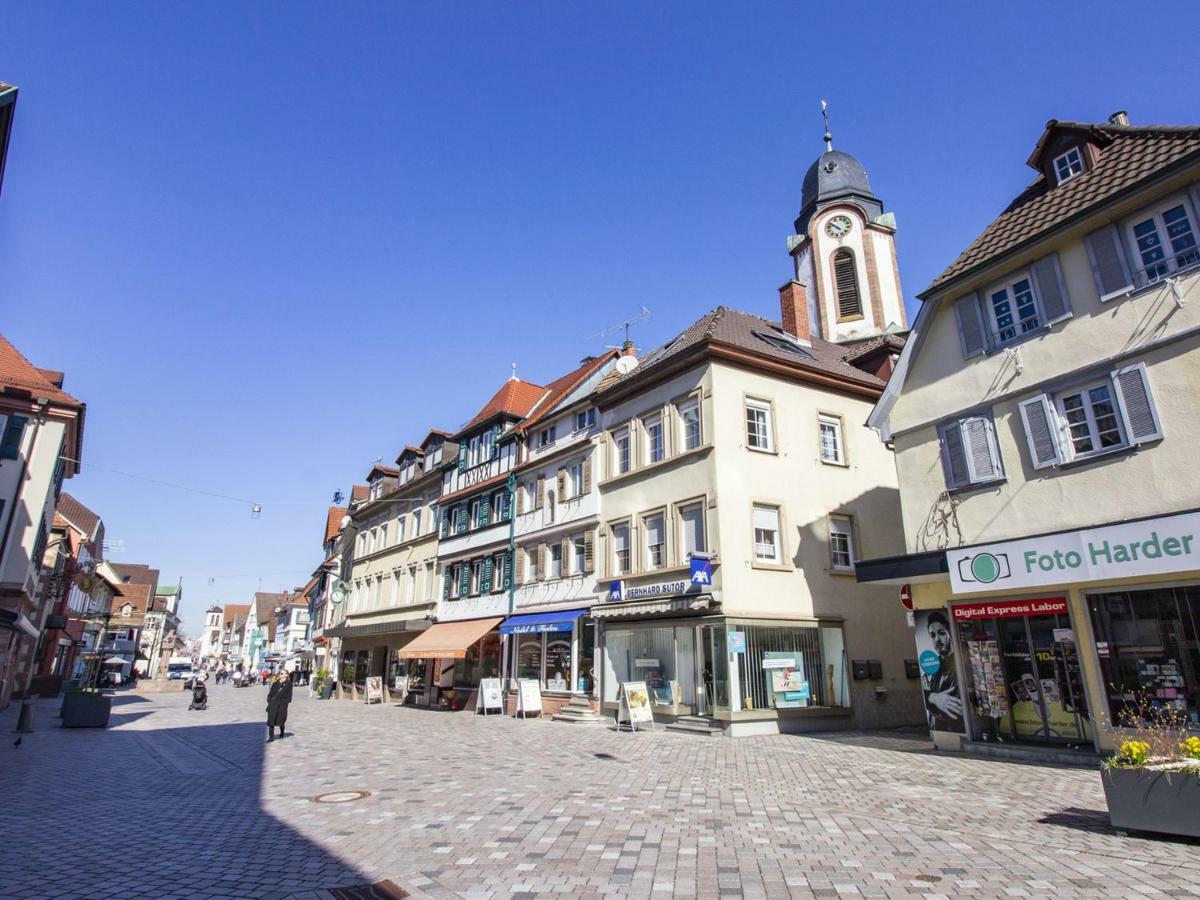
(557, 674)
(793, 667)
(585, 678)
(647, 654)
(1149, 643)
(529, 656)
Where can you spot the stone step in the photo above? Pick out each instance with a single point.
(696, 725)
(1033, 753)
(579, 712)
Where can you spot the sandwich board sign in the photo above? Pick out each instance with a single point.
(634, 706)
(374, 689)
(529, 697)
(489, 696)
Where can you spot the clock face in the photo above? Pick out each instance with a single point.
(838, 226)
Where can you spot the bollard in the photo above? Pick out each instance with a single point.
(25, 722)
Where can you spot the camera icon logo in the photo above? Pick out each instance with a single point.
(984, 567)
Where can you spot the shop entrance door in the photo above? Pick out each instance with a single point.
(712, 680)
(1043, 701)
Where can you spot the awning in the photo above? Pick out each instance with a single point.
(671, 606)
(15, 621)
(373, 628)
(447, 640)
(536, 623)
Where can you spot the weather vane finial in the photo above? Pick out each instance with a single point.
(828, 136)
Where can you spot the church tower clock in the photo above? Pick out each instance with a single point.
(844, 252)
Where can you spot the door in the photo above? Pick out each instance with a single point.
(712, 682)
(1061, 695)
(1025, 719)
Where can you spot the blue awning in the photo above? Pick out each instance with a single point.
(537, 623)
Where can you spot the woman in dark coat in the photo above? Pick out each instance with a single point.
(278, 698)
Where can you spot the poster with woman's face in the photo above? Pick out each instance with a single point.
(939, 671)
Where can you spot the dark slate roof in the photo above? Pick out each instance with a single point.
(1130, 155)
(737, 329)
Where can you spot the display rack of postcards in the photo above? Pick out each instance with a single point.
(1163, 680)
(991, 699)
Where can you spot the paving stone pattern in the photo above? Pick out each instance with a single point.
(172, 803)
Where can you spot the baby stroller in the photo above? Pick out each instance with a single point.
(199, 695)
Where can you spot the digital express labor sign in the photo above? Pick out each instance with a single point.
(1156, 546)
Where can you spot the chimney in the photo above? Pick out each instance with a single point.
(793, 306)
(627, 349)
(1120, 117)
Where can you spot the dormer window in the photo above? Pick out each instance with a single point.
(1068, 165)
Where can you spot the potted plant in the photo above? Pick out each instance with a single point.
(324, 684)
(1152, 783)
(86, 709)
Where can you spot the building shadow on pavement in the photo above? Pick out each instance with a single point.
(169, 809)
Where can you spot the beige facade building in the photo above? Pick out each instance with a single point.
(738, 488)
(391, 592)
(1040, 417)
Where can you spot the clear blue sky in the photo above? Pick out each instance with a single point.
(272, 242)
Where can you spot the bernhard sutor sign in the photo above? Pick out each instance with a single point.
(1151, 547)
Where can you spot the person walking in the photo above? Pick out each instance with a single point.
(278, 698)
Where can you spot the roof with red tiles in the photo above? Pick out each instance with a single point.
(77, 514)
(359, 492)
(233, 610)
(560, 388)
(1129, 156)
(333, 522)
(18, 374)
(515, 398)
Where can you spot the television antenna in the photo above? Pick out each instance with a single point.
(642, 315)
(117, 545)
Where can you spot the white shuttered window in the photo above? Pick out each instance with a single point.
(970, 454)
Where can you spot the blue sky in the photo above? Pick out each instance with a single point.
(272, 242)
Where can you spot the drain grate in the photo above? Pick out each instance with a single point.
(340, 797)
(929, 878)
(380, 890)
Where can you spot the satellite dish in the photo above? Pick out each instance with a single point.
(345, 521)
(626, 364)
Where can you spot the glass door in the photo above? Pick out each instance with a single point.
(1025, 719)
(712, 683)
(1061, 695)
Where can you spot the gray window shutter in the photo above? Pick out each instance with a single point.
(464, 580)
(445, 524)
(447, 575)
(1041, 430)
(462, 456)
(983, 457)
(485, 512)
(1047, 276)
(954, 456)
(971, 329)
(1109, 266)
(1137, 404)
(464, 518)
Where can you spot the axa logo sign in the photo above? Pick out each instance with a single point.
(984, 568)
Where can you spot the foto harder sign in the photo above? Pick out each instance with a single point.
(1150, 547)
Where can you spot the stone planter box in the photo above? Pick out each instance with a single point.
(1162, 802)
(84, 709)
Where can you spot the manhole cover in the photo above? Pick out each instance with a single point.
(380, 890)
(340, 796)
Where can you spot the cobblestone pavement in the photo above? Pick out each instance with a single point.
(168, 802)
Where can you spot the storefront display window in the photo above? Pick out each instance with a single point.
(1148, 642)
(482, 661)
(816, 675)
(529, 656)
(649, 655)
(558, 662)
(585, 678)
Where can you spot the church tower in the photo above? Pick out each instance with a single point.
(844, 252)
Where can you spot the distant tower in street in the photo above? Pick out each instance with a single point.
(844, 250)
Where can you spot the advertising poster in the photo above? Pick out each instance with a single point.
(939, 671)
(489, 695)
(637, 699)
(785, 671)
(529, 697)
(375, 688)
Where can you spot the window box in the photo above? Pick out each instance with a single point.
(1141, 799)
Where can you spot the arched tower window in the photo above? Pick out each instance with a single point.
(845, 280)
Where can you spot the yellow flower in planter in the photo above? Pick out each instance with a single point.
(1191, 748)
(1135, 752)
